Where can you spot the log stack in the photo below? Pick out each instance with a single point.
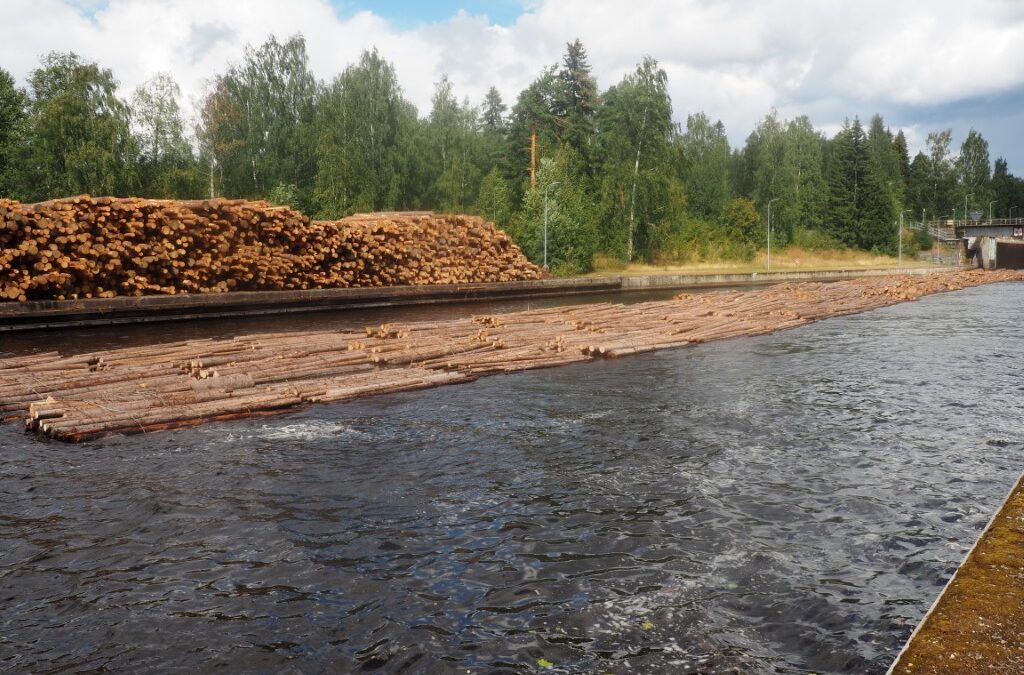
(87, 247)
(165, 386)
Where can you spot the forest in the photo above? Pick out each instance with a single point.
(623, 181)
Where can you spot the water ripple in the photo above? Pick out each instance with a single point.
(786, 503)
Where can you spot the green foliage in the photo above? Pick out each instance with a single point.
(811, 239)
(366, 151)
(13, 103)
(78, 137)
(775, 175)
(495, 199)
(258, 121)
(741, 222)
(167, 167)
(974, 172)
(861, 211)
(705, 160)
(572, 235)
(902, 154)
(630, 185)
(535, 112)
(886, 157)
(454, 155)
(641, 201)
(577, 101)
(284, 195)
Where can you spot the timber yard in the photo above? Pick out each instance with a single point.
(512, 338)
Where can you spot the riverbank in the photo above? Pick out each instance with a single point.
(788, 259)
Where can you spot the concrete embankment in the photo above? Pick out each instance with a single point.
(975, 624)
(35, 315)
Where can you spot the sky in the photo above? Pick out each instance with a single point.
(924, 65)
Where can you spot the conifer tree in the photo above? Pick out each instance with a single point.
(861, 212)
(578, 100)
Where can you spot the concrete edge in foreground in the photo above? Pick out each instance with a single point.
(973, 626)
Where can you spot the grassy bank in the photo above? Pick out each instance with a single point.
(788, 259)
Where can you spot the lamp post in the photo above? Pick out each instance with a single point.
(770, 201)
(1011, 211)
(990, 210)
(901, 236)
(966, 197)
(549, 186)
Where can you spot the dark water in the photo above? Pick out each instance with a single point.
(786, 503)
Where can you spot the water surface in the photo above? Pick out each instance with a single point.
(786, 503)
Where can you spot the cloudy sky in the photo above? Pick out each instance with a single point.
(925, 65)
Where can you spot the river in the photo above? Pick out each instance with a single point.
(785, 503)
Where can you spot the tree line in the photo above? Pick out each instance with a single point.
(621, 179)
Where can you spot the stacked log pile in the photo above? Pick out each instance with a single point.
(85, 247)
(141, 389)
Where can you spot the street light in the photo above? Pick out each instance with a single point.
(966, 197)
(1011, 211)
(549, 186)
(990, 210)
(901, 235)
(770, 201)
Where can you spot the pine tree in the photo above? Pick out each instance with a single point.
(535, 113)
(902, 154)
(1003, 184)
(492, 113)
(861, 212)
(578, 99)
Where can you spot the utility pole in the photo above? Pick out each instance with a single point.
(901, 235)
(532, 157)
(549, 186)
(770, 232)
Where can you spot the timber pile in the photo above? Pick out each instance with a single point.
(141, 389)
(88, 247)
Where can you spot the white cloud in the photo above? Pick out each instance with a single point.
(734, 59)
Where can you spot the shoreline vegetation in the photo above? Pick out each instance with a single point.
(619, 174)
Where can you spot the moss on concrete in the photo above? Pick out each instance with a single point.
(978, 624)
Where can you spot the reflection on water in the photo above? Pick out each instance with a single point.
(784, 503)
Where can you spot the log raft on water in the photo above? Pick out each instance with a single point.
(140, 389)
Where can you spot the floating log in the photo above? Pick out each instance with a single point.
(174, 385)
